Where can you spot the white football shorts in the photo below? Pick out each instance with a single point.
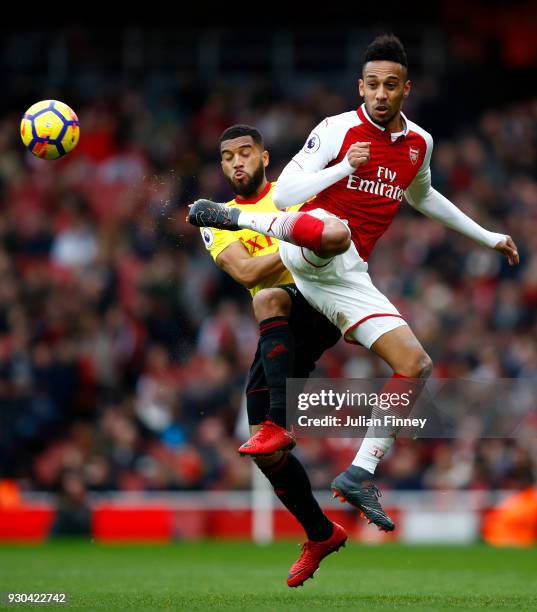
(342, 290)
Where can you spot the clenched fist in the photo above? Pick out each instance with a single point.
(358, 154)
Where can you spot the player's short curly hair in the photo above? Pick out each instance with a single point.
(235, 131)
(386, 47)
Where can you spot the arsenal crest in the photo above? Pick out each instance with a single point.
(414, 154)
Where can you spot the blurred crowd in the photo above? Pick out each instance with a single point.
(124, 350)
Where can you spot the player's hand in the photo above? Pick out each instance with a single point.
(359, 154)
(508, 248)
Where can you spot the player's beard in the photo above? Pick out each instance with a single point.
(386, 120)
(383, 122)
(248, 189)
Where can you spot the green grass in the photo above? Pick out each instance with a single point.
(240, 576)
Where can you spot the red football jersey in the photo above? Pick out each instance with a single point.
(369, 197)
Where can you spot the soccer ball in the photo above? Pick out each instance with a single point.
(50, 129)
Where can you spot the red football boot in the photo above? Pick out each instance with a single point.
(269, 439)
(312, 555)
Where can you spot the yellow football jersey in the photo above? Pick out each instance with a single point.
(216, 240)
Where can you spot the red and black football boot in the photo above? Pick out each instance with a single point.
(268, 439)
(312, 555)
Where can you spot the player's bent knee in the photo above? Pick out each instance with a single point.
(420, 365)
(426, 366)
(267, 460)
(336, 238)
(271, 303)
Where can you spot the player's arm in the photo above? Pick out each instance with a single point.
(245, 269)
(307, 174)
(423, 197)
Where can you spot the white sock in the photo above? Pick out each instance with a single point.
(278, 224)
(371, 452)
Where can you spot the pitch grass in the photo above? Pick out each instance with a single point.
(241, 576)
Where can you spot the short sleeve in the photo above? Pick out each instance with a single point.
(216, 240)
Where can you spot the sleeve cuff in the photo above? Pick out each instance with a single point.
(346, 166)
(493, 238)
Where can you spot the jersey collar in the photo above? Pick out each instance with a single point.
(239, 200)
(364, 116)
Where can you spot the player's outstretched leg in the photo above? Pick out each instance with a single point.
(326, 237)
(355, 486)
(312, 555)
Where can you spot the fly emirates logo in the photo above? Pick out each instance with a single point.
(384, 186)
